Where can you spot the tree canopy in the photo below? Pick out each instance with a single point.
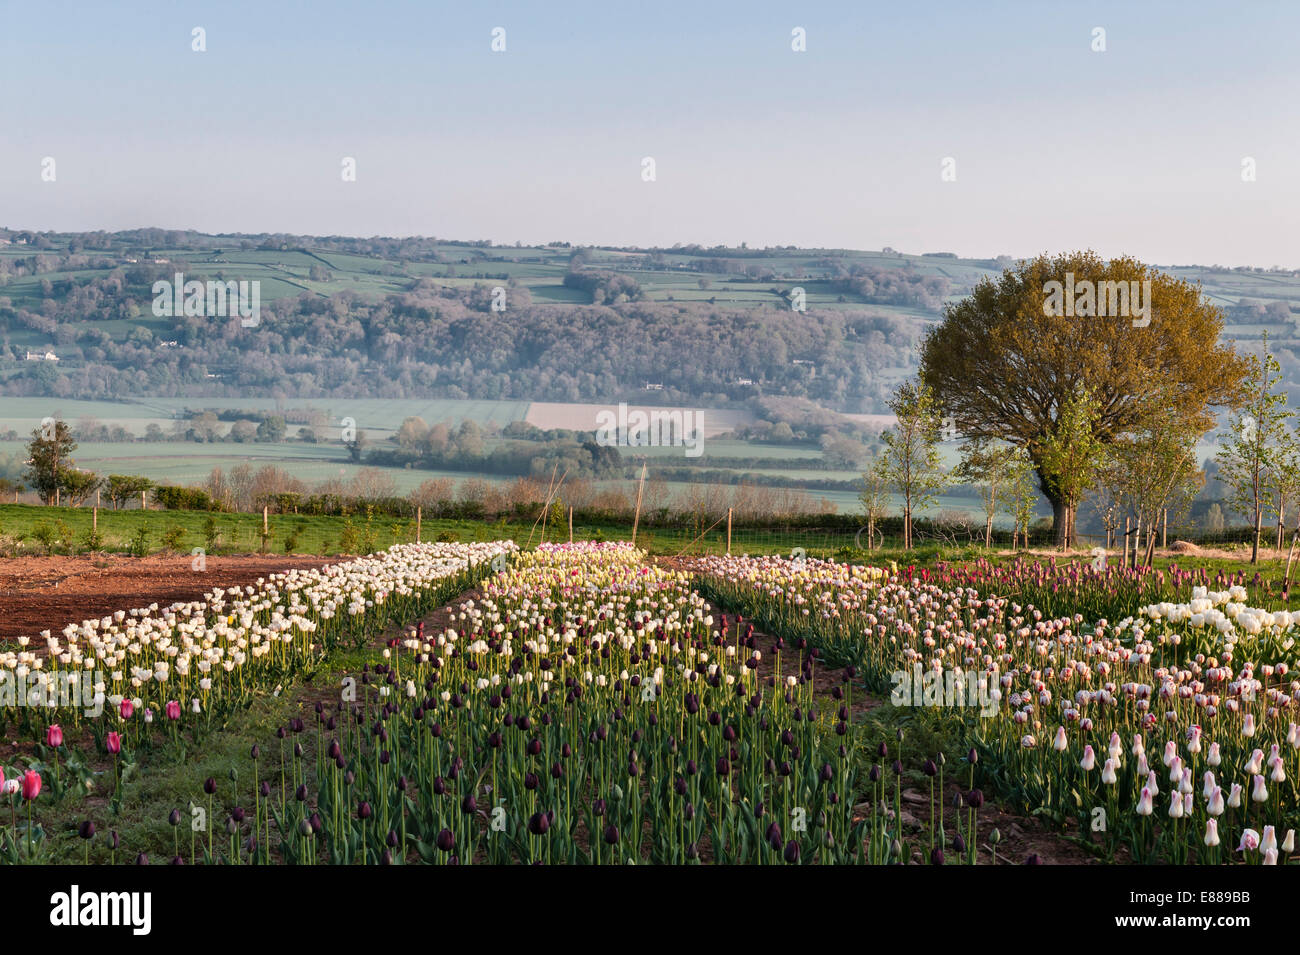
(1004, 363)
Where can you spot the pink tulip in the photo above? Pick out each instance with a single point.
(173, 710)
(1249, 841)
(1211, 832)
(1259, 793)
(127, 709)
(1268, 839)
(54, 735)
(31, 784)
(1144, 806)
(1089, 759)
(114, 743)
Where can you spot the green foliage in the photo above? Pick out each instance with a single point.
(50, 459)
(910, 462)
(1071, 454)
(211, 535)
(45, 534)
(349, 539)
(988, 465)
(1258, 441)
(184, 498)
(122, 489)
(1021, 501)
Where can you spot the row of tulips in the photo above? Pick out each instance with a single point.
(170, 674)
(587, 709)
(1071, 710)
(1095, 587)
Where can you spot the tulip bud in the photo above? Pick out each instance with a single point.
(1211, 832)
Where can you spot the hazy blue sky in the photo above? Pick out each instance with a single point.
(1135, 150)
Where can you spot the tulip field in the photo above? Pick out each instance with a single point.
(584, 704)
(1167, 736)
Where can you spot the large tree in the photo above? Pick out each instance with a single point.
(1004, 361)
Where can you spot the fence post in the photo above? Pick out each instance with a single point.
(144, 505)
(1164, 531)
(94, 520)
(419, 513)
(636, 520)
(728, 532)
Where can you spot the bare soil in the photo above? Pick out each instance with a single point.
(48, 593)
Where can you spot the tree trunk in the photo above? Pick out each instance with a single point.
(988, 530)
(1259, 530)
(1062, 523)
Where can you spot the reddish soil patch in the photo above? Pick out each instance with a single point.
(48, 593)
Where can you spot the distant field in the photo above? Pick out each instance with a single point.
(583, 417)
(728, 448)
(378, 414)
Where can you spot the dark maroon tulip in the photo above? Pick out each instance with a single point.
(774, 834)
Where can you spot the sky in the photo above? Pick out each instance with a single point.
(1137, 149)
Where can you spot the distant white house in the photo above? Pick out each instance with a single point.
(744, 381)
(42, 356)
(654, 386)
